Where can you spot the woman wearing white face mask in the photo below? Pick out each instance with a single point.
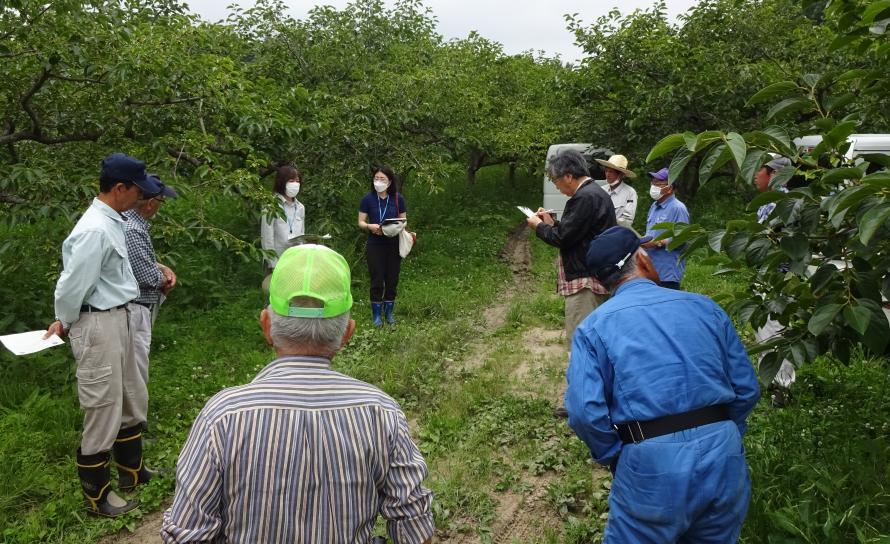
(382, 203)
(276, 231)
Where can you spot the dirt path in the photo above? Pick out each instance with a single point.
(520, 516)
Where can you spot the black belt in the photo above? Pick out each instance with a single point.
(637, 431)
(86, 308)
(145, 304)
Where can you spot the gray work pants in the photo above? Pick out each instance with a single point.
(111, 391)
(578, 307)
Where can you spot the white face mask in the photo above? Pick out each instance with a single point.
(655, 192)
(380, 186)
(292, 189)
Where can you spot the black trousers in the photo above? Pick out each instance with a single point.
(384, 265)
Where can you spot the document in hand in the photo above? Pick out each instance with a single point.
(527, 211)
(29, 342)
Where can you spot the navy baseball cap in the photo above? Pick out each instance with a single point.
(165, 191)
(609, 251)
(124, 168)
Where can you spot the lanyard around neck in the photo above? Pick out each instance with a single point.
(381, 208)
(291, 219)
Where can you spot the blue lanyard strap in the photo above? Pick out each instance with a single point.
(381, 209)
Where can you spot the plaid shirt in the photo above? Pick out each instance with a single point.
(143, 259)
(566, 288)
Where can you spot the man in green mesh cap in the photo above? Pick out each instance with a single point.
(302, 453)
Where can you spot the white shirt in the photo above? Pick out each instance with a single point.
(96, 267)
(275, 232)
(624, 198)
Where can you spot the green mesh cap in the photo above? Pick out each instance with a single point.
(314, 272)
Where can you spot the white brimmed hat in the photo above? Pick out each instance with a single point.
(617, 162)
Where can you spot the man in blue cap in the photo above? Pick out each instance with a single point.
(91, 299)
(666, 209)
(659, 388)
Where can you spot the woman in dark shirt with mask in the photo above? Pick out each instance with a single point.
(382, 252)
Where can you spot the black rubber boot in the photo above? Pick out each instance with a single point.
(131, 469)
(95, 480)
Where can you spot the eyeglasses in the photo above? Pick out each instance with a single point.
(556, 180)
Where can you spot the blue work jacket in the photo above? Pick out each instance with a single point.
(650, 352)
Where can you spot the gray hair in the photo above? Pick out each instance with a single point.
(629, 269)
(568, 162)
(324, 334)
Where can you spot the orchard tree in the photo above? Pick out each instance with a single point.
(820, 265)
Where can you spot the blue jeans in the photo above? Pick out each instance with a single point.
(691, 486)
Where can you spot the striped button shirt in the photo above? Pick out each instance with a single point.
(301, 454)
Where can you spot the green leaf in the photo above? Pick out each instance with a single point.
(715, 239)
(849, 198)
(822, 277)
(875, 9)
(753, 161)
(822, 317)
(715, 158)
(788, 105)
(857, 316)
(855, 73)
(772, 91)
(678, 164)
(767, 197)
(836, 175)
(666, 145)
(872, 220)
(797, 246)
(878, 179)
(811, 79)
(737, 146)
(782, 176)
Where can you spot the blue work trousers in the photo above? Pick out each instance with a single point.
(685, 487)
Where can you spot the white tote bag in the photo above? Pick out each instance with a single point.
(406, 242)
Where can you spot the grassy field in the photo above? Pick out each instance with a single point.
(476, 363)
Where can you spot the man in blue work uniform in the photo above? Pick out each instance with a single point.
(666, 209)
(659, 388)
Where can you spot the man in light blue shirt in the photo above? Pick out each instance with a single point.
(659, 388)
(665, 209)
(91, 295)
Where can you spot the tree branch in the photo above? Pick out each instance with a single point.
(28, 135)
(26, 101)
(11, 199)
(182, 156)
(165, 102)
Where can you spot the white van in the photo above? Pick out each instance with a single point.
(860, 144)
(553, 199)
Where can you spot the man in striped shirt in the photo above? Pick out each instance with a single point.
(302, 453)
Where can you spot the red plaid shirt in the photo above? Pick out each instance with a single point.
(565, 287)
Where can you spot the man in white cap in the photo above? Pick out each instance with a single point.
(624, 197)
(786, 375)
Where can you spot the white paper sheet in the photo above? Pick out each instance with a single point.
(29, 342)
(527, 211)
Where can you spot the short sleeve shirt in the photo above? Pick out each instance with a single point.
(380, 209)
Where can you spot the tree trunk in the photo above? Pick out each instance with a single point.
(476, 161)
